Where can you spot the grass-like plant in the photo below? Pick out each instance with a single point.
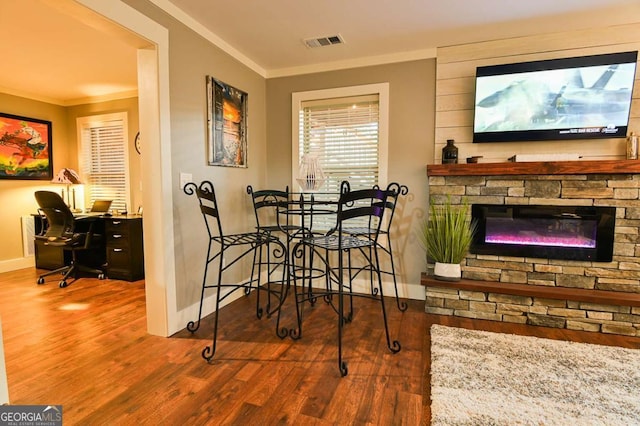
(448, 231)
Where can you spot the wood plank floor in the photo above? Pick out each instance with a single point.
(86, 347)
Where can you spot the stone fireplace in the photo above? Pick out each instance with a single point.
(586, 293)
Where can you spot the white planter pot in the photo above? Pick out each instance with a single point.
(447, 271)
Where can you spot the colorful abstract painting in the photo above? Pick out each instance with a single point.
(25, 148)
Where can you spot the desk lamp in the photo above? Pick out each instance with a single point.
(68, 177)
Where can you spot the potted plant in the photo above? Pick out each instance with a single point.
(446, 236)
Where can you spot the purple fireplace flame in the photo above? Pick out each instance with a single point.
(553, 232)
(542, 232)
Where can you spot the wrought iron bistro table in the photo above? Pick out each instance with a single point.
(306, 214)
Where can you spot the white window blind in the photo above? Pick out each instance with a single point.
(104, 159)
(346, 128)
(344, 134)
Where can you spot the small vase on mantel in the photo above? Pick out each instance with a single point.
(450, 153)
(447, 271)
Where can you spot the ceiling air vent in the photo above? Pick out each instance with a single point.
(323, 41)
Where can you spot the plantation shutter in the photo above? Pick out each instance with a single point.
(344, 134)
(104, 162)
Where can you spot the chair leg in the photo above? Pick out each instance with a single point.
(209, 351)
(395, 345)
(402, 305)
(295, 333)
(342, 366)
(61, 270)
(374, 290)
(275, 250)
(349, 316)
(193, 326)
(257, 253)
(74, 268)
(285, 287)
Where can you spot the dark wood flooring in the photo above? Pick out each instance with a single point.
(86, 347)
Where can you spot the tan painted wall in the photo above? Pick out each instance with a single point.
(191, 59)
(455, 89)
(411, 121)
(16, 196)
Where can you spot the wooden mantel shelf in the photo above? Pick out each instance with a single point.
(607, 297)
(536, 168)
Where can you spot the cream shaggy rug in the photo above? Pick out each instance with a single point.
(483, 378)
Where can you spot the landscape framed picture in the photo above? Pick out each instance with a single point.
(226, 124)
(25, 148)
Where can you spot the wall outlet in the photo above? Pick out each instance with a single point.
(185, 178)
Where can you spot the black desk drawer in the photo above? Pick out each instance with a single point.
(125, 251)
(117, 239)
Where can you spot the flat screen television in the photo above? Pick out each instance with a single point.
(585, 97)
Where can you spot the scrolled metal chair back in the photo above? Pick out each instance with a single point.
(208, 205)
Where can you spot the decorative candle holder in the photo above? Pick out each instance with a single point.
(310, 174)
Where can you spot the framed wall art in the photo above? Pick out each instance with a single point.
(25, 148)
(226, 125)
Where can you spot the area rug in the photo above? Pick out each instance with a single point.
(485, 378)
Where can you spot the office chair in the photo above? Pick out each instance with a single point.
(61, 232)
(353, 206)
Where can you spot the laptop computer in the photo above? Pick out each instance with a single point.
(100, 206)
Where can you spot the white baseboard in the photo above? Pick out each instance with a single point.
(405, 291)
(208, 307)
(19, 263)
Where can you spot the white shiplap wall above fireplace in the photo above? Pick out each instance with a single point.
(456, 67)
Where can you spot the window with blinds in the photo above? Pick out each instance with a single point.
(103, 159)
(343, 134)
(347, 130)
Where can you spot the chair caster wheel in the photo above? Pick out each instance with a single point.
(40, 280)
(101, 276)
(62, 284)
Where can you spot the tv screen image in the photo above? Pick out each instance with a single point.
(570, 98)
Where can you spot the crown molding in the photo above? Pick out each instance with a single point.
(354, 63)
(187, 20)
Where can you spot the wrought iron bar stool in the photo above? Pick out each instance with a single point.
(248, 243)
(384, 244)
(353, 206)
(267, 204)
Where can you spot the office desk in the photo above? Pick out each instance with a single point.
(122, 251)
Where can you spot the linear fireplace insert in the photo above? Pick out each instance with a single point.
(551, 232)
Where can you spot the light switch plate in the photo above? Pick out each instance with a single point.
(185, 178)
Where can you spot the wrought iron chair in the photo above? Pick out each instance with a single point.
(353, 206)
(219, 243)
(267, 206)
(62, 232)
(384, 244)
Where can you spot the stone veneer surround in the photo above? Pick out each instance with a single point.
(598, 183)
